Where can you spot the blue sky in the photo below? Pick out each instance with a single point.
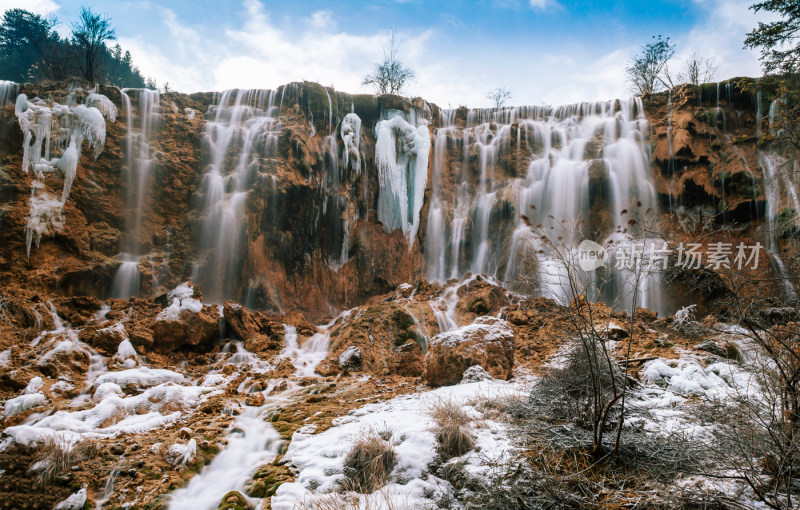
(544, 51)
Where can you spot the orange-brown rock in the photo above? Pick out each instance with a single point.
(190, 330)
(391, 337)
(106, 337)
(479, 297)
(257, 330)
(488, 342)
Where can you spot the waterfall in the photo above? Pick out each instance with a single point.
(435, 242)
(137, 174)
(775, 181)
(8, 92)
(586, 163)
(241, 134)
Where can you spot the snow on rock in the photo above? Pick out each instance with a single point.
(182, 454)
(126, 354)
(687, 376)
(105, 389)
(113, 413)
(180, 298)
(475, 374)
(22, 403)
(319, 458)
(664, 408)
(403, 174)
(350, 358)
(69, 349)
(34, 385)
(74, 502)
(62, 386)
(142, 377)
(5, 357)
(487, 342)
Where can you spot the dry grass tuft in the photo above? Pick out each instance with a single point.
(381, 500)
(452, 428)
(56, 456)
(370, 461)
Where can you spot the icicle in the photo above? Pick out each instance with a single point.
(104, 104)
(397, 208)
(351, 136)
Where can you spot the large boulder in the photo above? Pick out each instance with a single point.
(487, 342)
(189, 330)
(186, 323)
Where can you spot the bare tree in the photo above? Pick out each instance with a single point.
(594, 382)
(758, 434)
(90, 33)
(391, 75)
(698, 70)
(500, 96)
(646, 70)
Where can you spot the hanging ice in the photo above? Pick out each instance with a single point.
(56, 128)
(351, 136)
(401, 153)
(104, 104)
(44, 218)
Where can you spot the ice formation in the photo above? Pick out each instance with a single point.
(401, 153)
(104, 104)
(57, 128)
(351, 136)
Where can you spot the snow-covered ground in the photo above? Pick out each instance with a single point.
(319, 458)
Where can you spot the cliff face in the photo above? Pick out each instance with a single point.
(282, 201)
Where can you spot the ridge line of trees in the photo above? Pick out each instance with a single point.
(32, 50)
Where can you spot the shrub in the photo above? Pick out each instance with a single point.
(452, 428)
(56, 455)
(370, 461)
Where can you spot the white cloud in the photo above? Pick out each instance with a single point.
(543, 4)
(43, 7)
(722, 35)
(264, 53)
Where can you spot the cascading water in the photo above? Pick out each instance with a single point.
(138, 169)
(559, 156)
(779, 189)
(8, 92)
(241, 136)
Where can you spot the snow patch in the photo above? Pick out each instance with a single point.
(319, 459)
(22, 403)
(483, 328)
(74, 502)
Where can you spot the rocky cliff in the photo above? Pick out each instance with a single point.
(299, 219)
